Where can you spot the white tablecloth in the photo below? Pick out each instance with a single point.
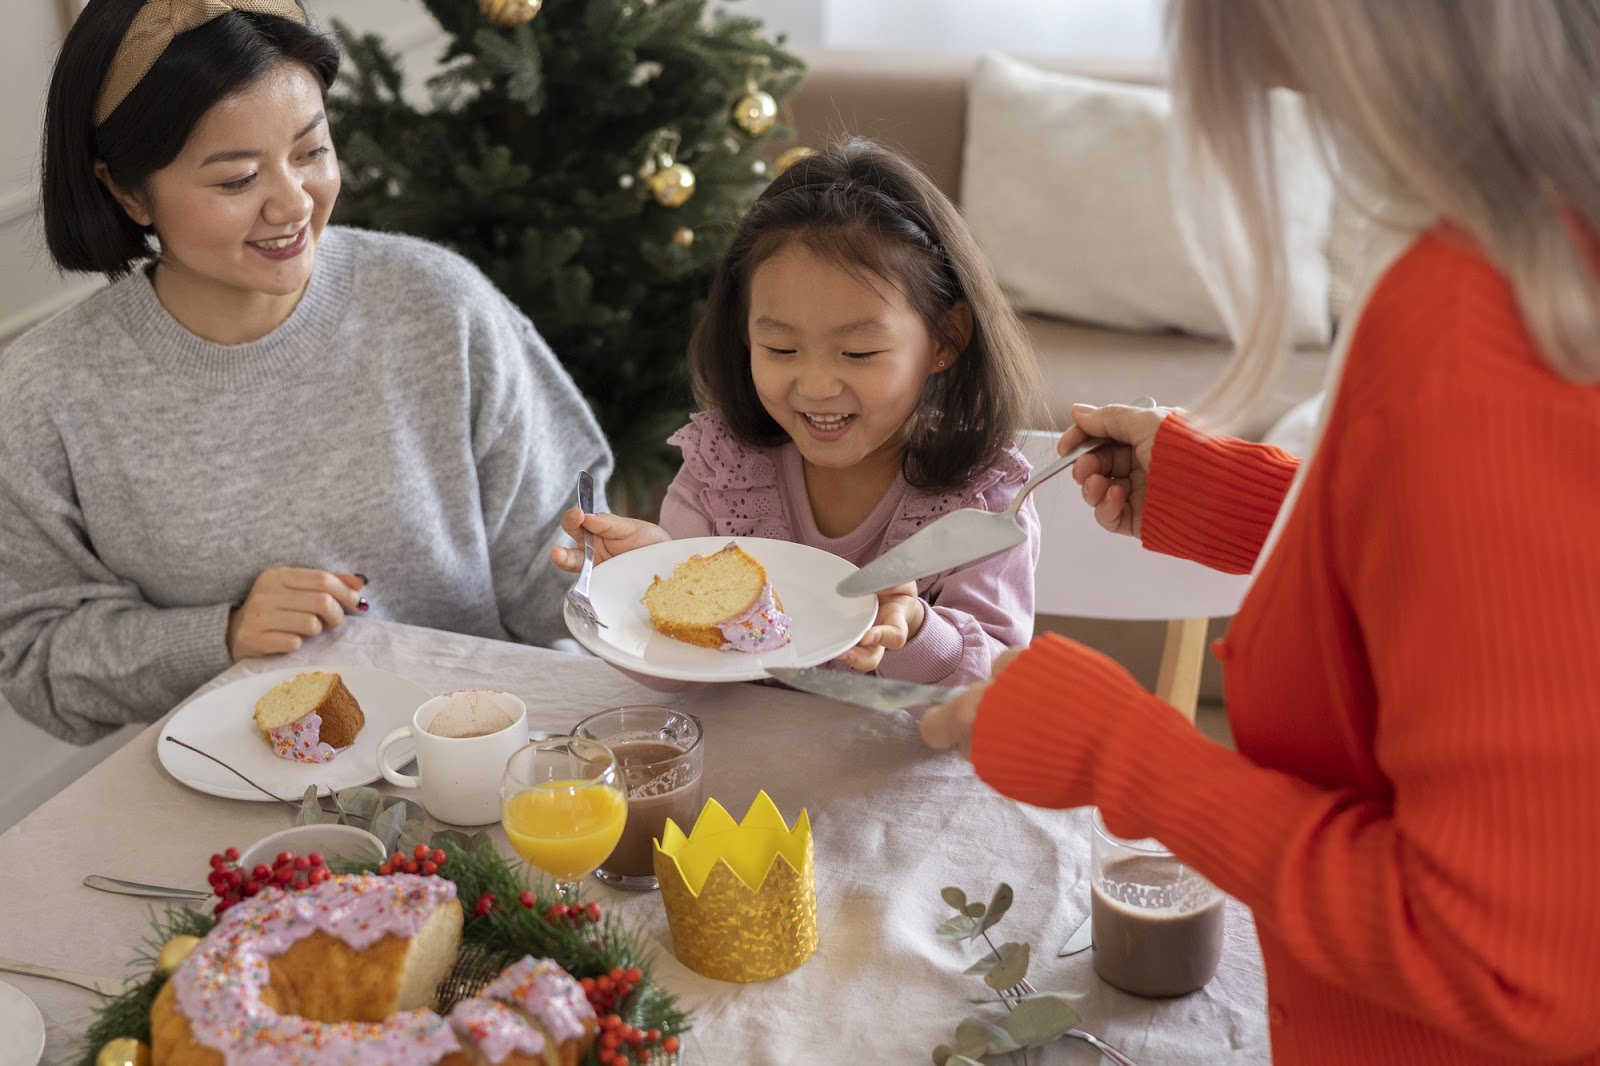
(893, 823)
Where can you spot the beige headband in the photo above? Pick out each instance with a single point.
(153, 29)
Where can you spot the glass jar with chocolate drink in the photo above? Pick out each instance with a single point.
(1157, 923)
(662, 753)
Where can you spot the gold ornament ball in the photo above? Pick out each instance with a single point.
(672, 185)
(755, 112)
(173, 952)
(123, 1051)
(509, 12)
(684, 237)
(789, 158)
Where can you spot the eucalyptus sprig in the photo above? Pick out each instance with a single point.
(1032, 1018)
(396, 821)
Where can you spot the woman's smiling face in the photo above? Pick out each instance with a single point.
(839, 359)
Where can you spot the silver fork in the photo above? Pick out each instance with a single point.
(1025, 988)
(578, 594)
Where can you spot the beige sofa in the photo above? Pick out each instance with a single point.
(918, 104)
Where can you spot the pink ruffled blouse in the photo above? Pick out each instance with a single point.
(728, 489)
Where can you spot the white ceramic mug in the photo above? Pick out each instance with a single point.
(459, 776)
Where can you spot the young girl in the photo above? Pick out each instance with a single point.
(860, 374)
(1412, 681)
(196, 460)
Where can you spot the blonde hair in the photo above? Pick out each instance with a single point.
(1480, 112)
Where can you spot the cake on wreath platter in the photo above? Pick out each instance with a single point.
(344, 973)
(309, 718)
(721, 601)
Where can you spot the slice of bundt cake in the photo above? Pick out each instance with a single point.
(310, 717)
(721, 601)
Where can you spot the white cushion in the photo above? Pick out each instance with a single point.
(1067, 187)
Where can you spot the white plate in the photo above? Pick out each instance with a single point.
(23, 1027)
(220, 723)
(825, 623)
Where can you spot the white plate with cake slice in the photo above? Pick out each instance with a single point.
(822, 623)
(221, 723)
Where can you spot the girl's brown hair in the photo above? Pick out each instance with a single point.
(870, 210)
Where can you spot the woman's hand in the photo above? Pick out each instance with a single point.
(613, 535)
(1113, 478)
(949, 725)
(288, 604)
(900, 615)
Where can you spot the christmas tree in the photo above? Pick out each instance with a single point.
(591, 158)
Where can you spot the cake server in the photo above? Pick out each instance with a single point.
(959, 537)
(963, 536)
(863, 690)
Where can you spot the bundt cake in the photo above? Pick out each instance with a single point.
(345, 973)
(310, 717)
(721, 601)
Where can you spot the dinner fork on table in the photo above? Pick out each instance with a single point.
(578, 594)
(1025, 987)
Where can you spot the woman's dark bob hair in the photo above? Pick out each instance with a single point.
(868, 209)
(85, 228)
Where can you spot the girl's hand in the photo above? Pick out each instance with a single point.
(1114, 477)
(949, 725)
(900, 615)
(613, 535)
(288, 604)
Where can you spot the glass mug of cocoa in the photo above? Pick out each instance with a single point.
(1157, 923)
(662, 753)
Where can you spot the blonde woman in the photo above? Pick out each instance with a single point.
(1413, 813)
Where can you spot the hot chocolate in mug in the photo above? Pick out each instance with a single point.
(464, 740)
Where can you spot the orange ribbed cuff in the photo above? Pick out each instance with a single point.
(1212, 499)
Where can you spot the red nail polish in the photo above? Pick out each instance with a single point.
(362, 604)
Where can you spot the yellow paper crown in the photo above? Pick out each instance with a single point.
(741, 898)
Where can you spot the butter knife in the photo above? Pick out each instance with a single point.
(106, 986)
(863, 690)
(134, 888)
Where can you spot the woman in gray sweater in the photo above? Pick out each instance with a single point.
(209, 459)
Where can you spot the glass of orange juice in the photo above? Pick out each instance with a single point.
(563, 807)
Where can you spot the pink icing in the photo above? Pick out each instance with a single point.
(219, 985)
(301, 740)
(495, 1029)
(761, 628)
(548, 993)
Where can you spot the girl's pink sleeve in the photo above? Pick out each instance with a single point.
(683, 514)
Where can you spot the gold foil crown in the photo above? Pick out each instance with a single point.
(741, 898)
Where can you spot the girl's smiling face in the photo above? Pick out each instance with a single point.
(839, 359)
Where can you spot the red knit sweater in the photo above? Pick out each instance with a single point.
(1413, 682)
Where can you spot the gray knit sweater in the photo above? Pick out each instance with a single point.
(406, 423)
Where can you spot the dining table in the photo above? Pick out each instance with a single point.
(893, 823)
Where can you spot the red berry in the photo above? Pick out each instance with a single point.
(669, 1045)
(251, 887)
(221, 890)
(593, 911)
(634, 974)
(439, 856)
(527, 899)
(385, 869)
(421, 851)
(261, 872)
(235, 878)
(216, 860)
(430, 868)
(398, 858)
(412, 867)
(611, 1041)
(283, 857)
(284, 875)
(604, 983)
(232, 854)
(315, 858)
(302, 863)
